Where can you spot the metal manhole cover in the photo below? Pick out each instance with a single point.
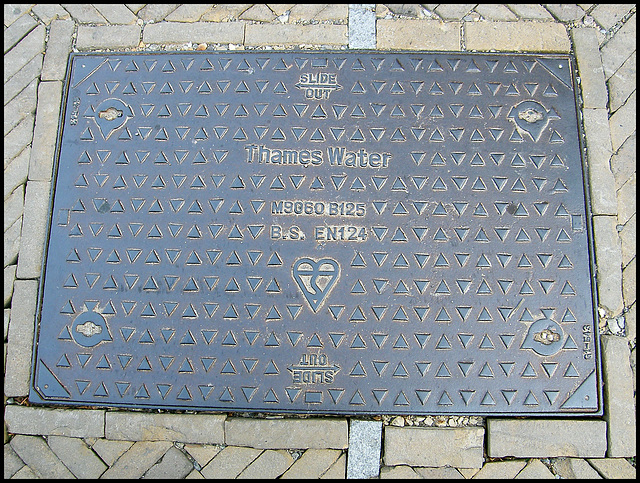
(319, 232)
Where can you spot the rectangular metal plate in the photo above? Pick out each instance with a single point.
(328, 232)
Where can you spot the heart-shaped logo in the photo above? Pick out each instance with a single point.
(315, 278)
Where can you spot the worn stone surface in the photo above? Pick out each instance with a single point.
(41, 460)
(135, 462)
(174, 465)
(623, 162)
(46, 131)
(50, 11)
(566, 12)
(9, 279)
(34, 229)
(116, 13)
(627, 200)
(545, 438)
(608, 264)
(77, 457)
(12, 462)
(628, 239)
(22, 78)
(109, 451)
(312, 464)
(188, 12)
(294, 34)
(13, 207)
(622, 83)
(516, 37)
(614, 468)
(574, 468)
(592, 84)
(179, 32)
(22, 53)
(364, 448)
(459, 447)
(58, 48)
(401, 472)
(11, 248)
(608, 14)
(530, 11)
(17, 30)
(504, 470)
(84, 13)
(230, 462)
(453, 11)
(186, 428)
(20, 106)
(619, 48)
(535, 470)
(618, 387)
(418, 34)
(19, 137)
(73, 423)
(259, 13)
(338, 470)
(491, 11)
(270, 464)
(202, 453)
(108, 36)
(623, 122)
(445, 473)
(287, 433)
(156, 11)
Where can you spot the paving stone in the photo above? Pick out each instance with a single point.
(9, 279)
(287, 433)
(225, 12)
(50, 11)
(491, 11)
(194, 475)
(629, 284)
(406, 9)
(46, 131)
(623, 122)
(12, 462)
(398, 472)
(20, 106)
(179, 32)
(530, 11)
(609, 14)
(574, 468)
(594, 89)
(545, 438)
(116, 13)
(622, 83)
(627, 200)
(34, 229)
(338, 470)
(270, 465)
(189, 12)
(614, 468)
(258, 13)
(84, 13)
(186, 428)
(77, 457)
(627, 235)
(601, 180)
(503, 470)
(174, 465)
(18, 138)
(619, 47)
(631, 327)
(313, 11)
(7, 317)
(25, 473)
(362, 26)
(136, 461)
(13, 12)
(312, 464)
(11, 248)
(293, 34)
(445, 473)
(618, 387)
(459, 447)
(37, 455)
(110, 450)
(454, 11)
(418, 34)
(281, 8)
(364, 448)
(13, 206)
(535, 470)
(73, 423)
(517, 36)
(17, 171)
(230, 462)
(565, 12)
(58, 48)
(22, 78)
(202, 453)
(608, 264)
(17, 30)
(156, 11)
(18, 361)
(623, 162)
(108, 36)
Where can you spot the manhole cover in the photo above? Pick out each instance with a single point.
(319, 232)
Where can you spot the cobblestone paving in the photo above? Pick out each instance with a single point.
(82, 443)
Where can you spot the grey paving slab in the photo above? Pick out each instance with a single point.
(540, 438)
(496, 12)
(19, 137)
(11, 461)
(417, 34)
(14, 11)
(24, 51)
(84, 13)
(230, 462)
(174, 465)
(17, 31)
(108, 36)
(619, 410)
(116, 13)
(623, 122)
(202, 453)
(365, 438)
(72, 423)
(516, 37)
(109, 450)
(13, 207)
(58, 48)
(38, 456)
(186, 428)
(535, 470)
(190, 12)
(137, 460)
(294, 34)
(592, 83)
(574, 468)
(566, 12)
(156, 11)
(179, 32)
(312, 464)
(530, 11)
(418, 446)
(77, 457)
(614, 468)
(338, 470)
(503, 470)
(45, 133)
(619, 47)
(17, 171)
(22, 78)
(11, 247)
(398, 472)
(20, 106)
(34, 227)
(50, 11)
(609, 14)
(444, 473)
(609, 264)
(270, 465)
(622, 83)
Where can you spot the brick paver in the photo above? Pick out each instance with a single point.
(603, 37)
